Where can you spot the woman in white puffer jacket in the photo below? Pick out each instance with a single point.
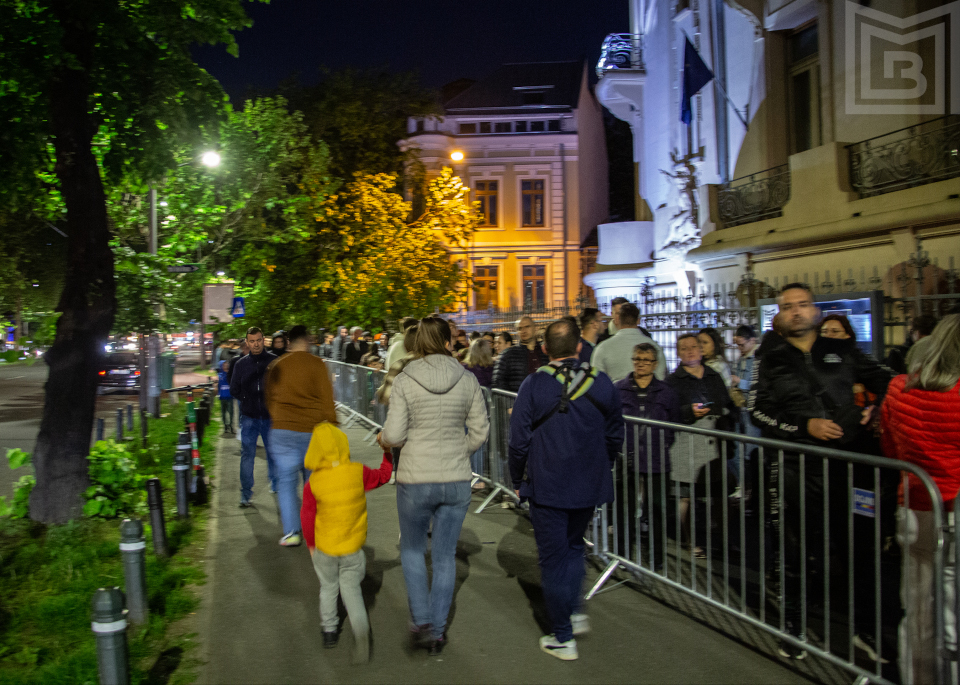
(432, 399)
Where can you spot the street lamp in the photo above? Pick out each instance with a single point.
(211, 158)
(456, 156)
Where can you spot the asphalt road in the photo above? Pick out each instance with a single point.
(21, 408)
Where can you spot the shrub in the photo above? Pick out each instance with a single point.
(116, 484)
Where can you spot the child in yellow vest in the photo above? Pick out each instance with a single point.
(334, 520)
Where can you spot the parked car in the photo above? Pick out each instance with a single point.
(120, 370)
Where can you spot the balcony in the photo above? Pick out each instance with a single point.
(909, 157)
(620, 51)
(755, 197)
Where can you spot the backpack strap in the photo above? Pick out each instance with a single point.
(575, 386)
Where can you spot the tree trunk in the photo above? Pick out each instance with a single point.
(88, 300)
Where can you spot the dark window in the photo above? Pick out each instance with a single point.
(538, 126)
(553, 125)
(532, 203)
(468, 128)
(484, 127)
(487, 197)
(121, 358)
(534, 286)
(485, 285)
(804, 89)
(520, 126)
(532, 98)
(804, 43)
(419, 125)
(502, 127)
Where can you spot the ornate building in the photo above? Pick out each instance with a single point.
(529, 142)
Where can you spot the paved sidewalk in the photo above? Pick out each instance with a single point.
(259, 618)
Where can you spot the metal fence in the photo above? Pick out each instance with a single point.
(799, 541)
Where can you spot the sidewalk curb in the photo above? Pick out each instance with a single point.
(206, 619)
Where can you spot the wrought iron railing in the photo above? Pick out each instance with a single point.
(906, 158)
(755, 197)
(621, 51)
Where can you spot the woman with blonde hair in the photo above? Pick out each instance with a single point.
(431, 401)
(920, 423)
(479, 362)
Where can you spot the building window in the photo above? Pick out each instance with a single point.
(804, 85)
(485, 286)
(502, 127)
(534, 286)
(419, 125)
(484, 127)
(532, 98)
(538, 125)
(487, 197)
(521, 127)
(468, 128)
(533, 201)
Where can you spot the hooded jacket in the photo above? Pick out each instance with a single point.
(247, 384)
(784, 398)
(431, 401)
(334, 511)
(223, 382)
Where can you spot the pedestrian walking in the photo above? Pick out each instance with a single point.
(299, 396)
(566, 432)
(278, 343)
(741, 380)
(591, 326)
(398, 349)
(613, 356)
(804, 394)
(334, 522)
(247, 386)
(648, 452)
(226, 399)
(517, 362)
(920, 423)
(326, 347)
(356, 348)
(339, 344)
(431, 402)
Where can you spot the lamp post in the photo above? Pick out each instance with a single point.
(211, 160)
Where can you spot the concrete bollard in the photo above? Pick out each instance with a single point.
(119, 425)
(101, 427)
(129, 417)
(110, 628)
(132, 548)
(157, 522)
(181, 467)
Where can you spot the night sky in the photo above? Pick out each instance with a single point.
(442, 41)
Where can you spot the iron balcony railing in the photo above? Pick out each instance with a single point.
(755, 197)
(906, 158)
(621, 51)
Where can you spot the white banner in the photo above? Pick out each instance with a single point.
(217, 303)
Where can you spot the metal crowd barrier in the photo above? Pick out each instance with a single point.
(494, 464)
(354, 392)
(800, 558)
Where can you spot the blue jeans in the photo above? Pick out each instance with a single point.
(560, 548)
(289, 449)
(446, 504)
(250, 428)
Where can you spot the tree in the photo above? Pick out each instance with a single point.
(70, 71)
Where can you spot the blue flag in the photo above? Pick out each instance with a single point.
(696, 75)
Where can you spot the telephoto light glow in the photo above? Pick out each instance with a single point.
(211, 158)
(456, 156)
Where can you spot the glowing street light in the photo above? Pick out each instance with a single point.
(456, 156)
(211, 158)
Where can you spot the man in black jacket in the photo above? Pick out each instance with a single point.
(356, 348)
(517, 362)
(804, 394)
(247, 387)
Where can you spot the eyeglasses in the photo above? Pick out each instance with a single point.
(638, 360)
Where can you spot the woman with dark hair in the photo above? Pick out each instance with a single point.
(713, 346)
(431, 401)
(837, 326)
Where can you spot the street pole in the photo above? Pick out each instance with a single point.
(152, 379)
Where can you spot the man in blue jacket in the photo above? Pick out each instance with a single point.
(566, 431)
(247, 386)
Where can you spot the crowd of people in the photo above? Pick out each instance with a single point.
(805, 382)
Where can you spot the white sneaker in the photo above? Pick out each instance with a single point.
(565, 651)
(580, 623)
(291, 540)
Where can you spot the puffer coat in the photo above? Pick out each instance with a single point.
(432, 399)
(923, 427)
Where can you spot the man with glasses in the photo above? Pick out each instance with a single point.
(648, 456)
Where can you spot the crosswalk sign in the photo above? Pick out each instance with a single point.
(237, 309)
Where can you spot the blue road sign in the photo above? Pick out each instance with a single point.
(237, 309)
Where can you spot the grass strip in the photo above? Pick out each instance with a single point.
(48, 575)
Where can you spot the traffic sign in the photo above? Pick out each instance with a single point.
(183, 268)
(238, 310)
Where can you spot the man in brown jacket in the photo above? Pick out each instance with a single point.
(299, 396)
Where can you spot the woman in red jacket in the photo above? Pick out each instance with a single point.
(920, 423)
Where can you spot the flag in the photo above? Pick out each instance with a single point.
(696, 75)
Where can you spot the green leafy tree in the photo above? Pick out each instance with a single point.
(71, 73)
